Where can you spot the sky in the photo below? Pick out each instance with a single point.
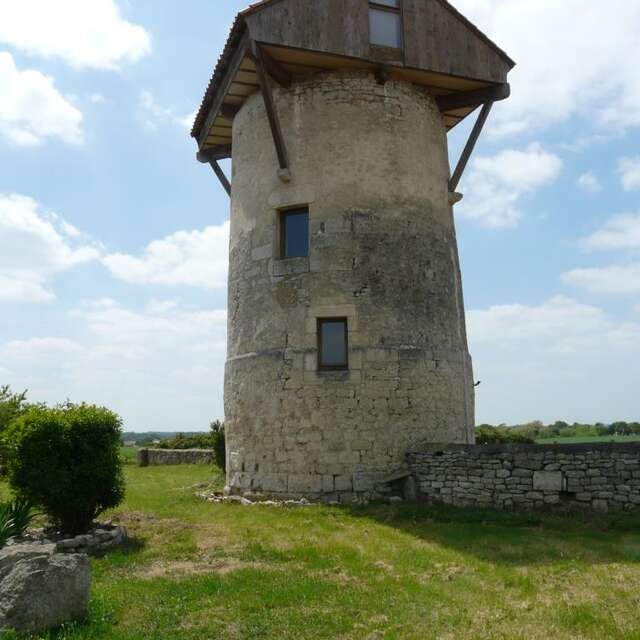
(113, 239)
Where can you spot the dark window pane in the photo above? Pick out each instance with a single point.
(387, 3)
(385, 28)
(333, 343)
(295, 234)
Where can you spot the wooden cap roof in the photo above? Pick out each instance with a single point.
(443, 50)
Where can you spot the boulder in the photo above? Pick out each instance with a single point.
(40, 588)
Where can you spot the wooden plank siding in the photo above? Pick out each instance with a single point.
(332, 26)
(442, 51)
(435, 38)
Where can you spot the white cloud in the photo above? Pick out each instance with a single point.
(35, 246)
(589, 182)
(573, 58)
(96, 98)
(610, 280)
(193, 258)
(31, 108)
(82, 33)
(629, 170)
(40, 351)
(619, 232)
(187, 121)
(495, 185)
(160, 367)
(556, 360)
(154, 115)
(23, 289)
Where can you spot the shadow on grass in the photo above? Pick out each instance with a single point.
(515, 539)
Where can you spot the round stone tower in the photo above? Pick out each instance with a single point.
(346, 330)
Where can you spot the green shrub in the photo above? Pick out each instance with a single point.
(15, 517)
(219, 446)
(66, 461)
(214, 440)
(486, 434)
(182, 441)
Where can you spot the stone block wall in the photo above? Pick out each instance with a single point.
(153, 457)
(588, 477)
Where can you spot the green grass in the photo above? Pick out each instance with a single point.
(208, 571)
(129, 454)
(579, 439)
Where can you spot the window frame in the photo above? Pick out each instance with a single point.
(395, 10)
(333, 367)
(282, 231)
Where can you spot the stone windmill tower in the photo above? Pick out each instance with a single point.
(346, 329)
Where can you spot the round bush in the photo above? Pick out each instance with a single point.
(66, 461)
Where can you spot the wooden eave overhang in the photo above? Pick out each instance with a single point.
(235, 78)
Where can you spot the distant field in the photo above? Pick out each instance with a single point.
(578, 439)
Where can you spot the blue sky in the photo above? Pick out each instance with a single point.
(113, 238)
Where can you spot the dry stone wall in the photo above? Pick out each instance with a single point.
(152, 457)
(596, 477)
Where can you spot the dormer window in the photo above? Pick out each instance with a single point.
(385, 23)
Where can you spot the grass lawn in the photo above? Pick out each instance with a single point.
(579, 439)
(207, 571)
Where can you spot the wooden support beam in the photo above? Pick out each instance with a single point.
(271, 66)
(218, 152)
(473, 98)
(224, 181)
(232, 69)
(470, 146)
(211, 157)
(272, 114)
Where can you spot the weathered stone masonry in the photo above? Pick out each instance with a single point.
(154, 457)
(597, 477)
(341, 127)
(370, 161)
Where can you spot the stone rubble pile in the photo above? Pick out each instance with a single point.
(96, 542)
(220, 498)
(252, 500)
(102, 538)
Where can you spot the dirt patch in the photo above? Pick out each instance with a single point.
(135, 517)
(186, 568)
(148, 522)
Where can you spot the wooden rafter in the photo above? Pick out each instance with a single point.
(217, 152)
(271, 66)
(470, 146)
(228, 111)
(272, 114)
(473, 98)
(233, 68)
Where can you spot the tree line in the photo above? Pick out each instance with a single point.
(537, 430)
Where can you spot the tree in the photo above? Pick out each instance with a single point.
(12, 405)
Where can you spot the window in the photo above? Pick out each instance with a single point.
(385, 23)
(294, 233)
(333, 352)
